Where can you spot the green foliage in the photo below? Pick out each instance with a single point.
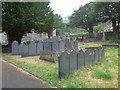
(113, 37)
(100, 26)
(84, 17)
(58, 24)
(18, 18)
(101, 74)
(108, 11)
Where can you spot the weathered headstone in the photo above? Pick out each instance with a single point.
(47, 45)
(62, 45)
(73, 61)
(67, 44)
(103, 53)
(96, 55)
(72, 44)
(32, 49)
(92, 59)
(39, 47)
(81, 58)
(15, 48)
(99, 54)
(20, 47)
(24, 50)
(75, 44)
(64, 64)
(55, 46)
(87, 57)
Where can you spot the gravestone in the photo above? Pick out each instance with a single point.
(47, 45)
(73, 61)
(103, 53)
(32, 49)
(96, 55)
(99, 54)
(67, 44)
(64, 64)
(87, 57)
(75, 44)
(15, 48)
(24, 50)
(81, 57)
(39, 47)
(72, 44)
(55, 46)
(92, 59)
(20, 47)
(62, 45)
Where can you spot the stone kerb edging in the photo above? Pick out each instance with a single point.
(72, 60)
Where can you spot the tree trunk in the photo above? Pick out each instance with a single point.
(115, 28)
(12, 36)
(91, 31)
(49, 35)
(118, 27)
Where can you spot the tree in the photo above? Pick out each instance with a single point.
(19, 18)
(84, 18)
(108, 11)
(58, 24)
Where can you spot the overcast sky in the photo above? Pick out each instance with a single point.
(66, 7)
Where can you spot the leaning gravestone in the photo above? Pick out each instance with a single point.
(32, 49)
(15, 48)
(62, 45)
(75, 44)
(47, 45)
(81, 58)
(64, 64)
(24, 50)
(73, 61)
(87, 57)
(39, 47)
(55, 46)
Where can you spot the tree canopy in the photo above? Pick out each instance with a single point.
(84, 18)
(18, 18)
(108, 11)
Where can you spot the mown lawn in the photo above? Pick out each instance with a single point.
(103, 74)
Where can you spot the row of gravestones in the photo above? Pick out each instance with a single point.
(76, 59)
(33, 48)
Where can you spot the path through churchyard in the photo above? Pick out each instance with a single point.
(15, 78)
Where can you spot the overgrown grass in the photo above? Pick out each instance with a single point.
(100, 74)
(103, 74)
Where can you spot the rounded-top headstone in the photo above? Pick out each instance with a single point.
(15, 48)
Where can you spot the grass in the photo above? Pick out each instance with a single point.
(103, 74)
(100, 74)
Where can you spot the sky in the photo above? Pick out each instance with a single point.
(66, 7)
